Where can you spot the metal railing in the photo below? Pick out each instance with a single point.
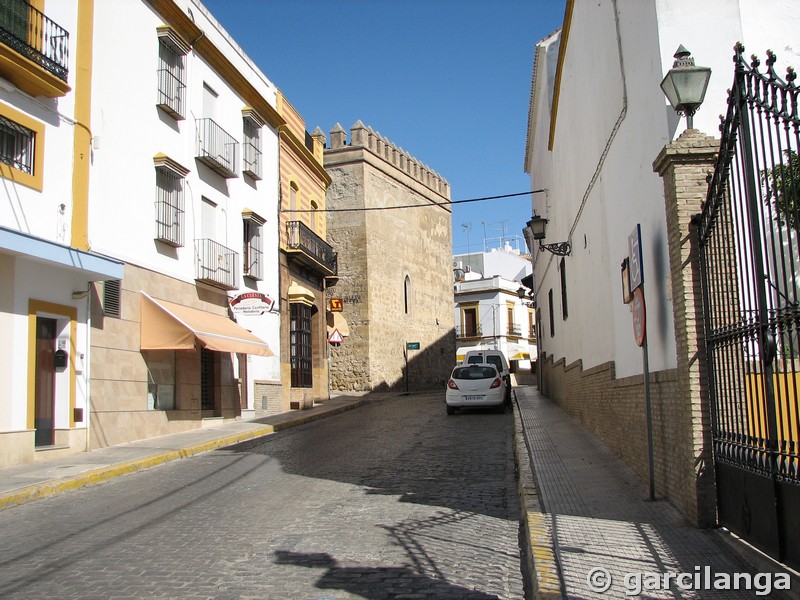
(468, 332)
(515, 330)
(169, 207)
(216, 264)
(252, 159)
(300, 237)
(254, 262)
(749, 250)
(171, 93)
(35, 37)
(217, 148)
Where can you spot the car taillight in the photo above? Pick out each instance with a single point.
(495, 384)
(452, 385)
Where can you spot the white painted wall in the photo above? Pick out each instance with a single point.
(493, 295)
(612, 121)
(129, 130)
(27, 210)
(45, 214)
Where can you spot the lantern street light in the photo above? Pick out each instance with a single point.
(526, 297)
(685, 85)
(536, 229)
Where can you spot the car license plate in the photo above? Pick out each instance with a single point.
(473, 398)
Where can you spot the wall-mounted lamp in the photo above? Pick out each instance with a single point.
(522, 293)
(685, 85)
(536, 229)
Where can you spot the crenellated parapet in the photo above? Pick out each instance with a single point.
(365, 137)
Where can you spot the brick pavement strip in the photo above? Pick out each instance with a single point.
(541, 567)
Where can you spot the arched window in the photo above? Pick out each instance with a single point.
(293, 189)
(313, 216)
(407, 294)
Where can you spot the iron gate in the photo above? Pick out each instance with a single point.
(748, 239)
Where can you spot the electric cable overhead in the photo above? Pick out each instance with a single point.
(319, 210)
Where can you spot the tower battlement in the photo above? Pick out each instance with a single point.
(368, 139)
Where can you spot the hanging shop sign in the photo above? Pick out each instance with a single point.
(337, 305)
(252, 304)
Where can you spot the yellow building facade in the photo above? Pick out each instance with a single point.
(308, 264)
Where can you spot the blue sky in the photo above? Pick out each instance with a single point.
(446, 80)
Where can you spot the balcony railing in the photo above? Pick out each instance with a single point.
(35, 37)
(216, 264)
(311, 249)
(217, 148)
(468, 332)
(515, 330)
(254, 263)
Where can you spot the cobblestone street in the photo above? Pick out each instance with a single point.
(391, 500)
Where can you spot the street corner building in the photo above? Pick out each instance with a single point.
(390, 221)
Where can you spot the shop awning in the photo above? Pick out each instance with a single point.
(169, 326)
(336, 320)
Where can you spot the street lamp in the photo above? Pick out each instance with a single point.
(685, 85)
(536, 229)
(522, 292)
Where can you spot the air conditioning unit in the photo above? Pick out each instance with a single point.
(458, 264)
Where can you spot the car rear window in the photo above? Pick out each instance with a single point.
(474, 373)
(491, 359)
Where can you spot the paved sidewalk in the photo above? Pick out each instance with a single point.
(590, 514)
(23, 483)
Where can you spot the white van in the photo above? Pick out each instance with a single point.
(492, 357)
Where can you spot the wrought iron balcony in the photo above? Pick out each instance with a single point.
(468, 332)
(310, 249)
(216, 264)
(217, 148)
(34, 36)
(515, 330)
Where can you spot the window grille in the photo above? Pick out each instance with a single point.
(252, 148)
(300, 344)
(16, 145)
(253, 248)
(171, 75)
(169, 207)
(207, 379)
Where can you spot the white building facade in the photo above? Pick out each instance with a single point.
(489, 312)
(184, 190)
(594, 159)
(591, 157)
(45, 268)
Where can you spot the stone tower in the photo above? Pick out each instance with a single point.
(395, 271)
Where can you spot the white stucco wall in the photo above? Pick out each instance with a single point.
(129, 131)
(612, 121)
(32, 211)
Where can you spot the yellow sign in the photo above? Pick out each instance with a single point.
(336, 305)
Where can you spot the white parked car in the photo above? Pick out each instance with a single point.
(475, 385)
(496, 358)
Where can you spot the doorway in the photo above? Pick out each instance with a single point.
(44, 395)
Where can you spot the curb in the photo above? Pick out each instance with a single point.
(43, 490)
(540, 559)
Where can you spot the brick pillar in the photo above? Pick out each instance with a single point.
(684, 165)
